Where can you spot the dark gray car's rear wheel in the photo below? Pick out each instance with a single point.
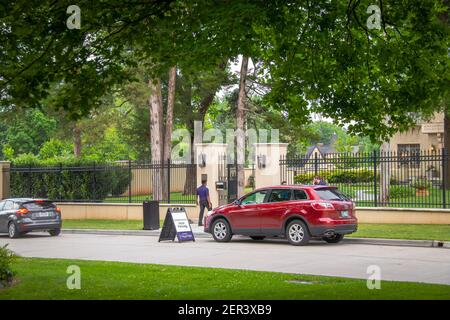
(55, 232)
(13, 231)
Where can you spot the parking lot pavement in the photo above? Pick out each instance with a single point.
(430, 265)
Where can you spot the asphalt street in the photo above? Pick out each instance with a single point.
(429, 265)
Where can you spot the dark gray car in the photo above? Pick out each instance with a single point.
(22, 215)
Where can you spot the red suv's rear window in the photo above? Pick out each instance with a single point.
(41, 205)
(331, 194)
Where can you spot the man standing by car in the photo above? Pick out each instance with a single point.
(203, 200)
(319, 181)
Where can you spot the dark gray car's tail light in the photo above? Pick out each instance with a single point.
(22, 211)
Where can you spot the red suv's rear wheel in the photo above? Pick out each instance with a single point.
(221, 231)
(297, 233)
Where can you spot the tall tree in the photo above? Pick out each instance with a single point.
(169, 113)
(77, 146)
(240, 127)
(155, 106)
(373, 79)
(167, 131)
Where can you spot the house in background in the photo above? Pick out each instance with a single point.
(426, 135)
(321, 151)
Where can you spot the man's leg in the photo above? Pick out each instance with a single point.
(202, 211)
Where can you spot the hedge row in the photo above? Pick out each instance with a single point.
(73, 180)
(338, 176)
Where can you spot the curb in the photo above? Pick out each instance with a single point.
(199, 234)
(399, 242)
(151, 233)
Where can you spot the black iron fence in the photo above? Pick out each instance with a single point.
(122, 182)
(388, 179)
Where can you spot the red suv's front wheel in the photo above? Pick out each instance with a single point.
(221, 230)
(297, 233)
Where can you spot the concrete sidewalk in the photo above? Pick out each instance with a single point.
(199, 233)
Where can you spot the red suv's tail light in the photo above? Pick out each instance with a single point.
(320, 205)
(22, 211)
(58, 210)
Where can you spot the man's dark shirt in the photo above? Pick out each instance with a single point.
(203, 192)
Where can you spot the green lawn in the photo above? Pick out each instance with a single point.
(404, 231)
(365, 230)
(177, 197)
(104, 224)
(46, 279)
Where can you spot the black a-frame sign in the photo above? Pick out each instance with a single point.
(176, 224)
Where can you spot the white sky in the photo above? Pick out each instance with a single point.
(236, 68)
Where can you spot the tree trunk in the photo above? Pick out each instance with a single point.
(240, 122)
(167, 147)
(155, 136)
(385, 174)
(191, 171)
(191, 174)
(446, 138)
(77, 146)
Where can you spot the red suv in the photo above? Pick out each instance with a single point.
(298, 213)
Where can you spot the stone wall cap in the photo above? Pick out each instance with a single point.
(404, 209)
(174, 205)
(271, 143)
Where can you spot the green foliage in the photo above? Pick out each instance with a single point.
(338, 176)
(8, 152)
(330, 133)
(74, 179)
(421, 183)
(55, 148)
(27, 130)
(110, 148)
(374, 81)
(398, 191)
(7, 257)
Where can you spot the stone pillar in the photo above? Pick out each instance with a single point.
(267, 163)
(209, 153)
(4, 179)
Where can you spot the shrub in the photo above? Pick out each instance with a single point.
(7, 258)
(338, 176)
(396, 192)
(74, 179)
(421, 183)
(305, 178)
